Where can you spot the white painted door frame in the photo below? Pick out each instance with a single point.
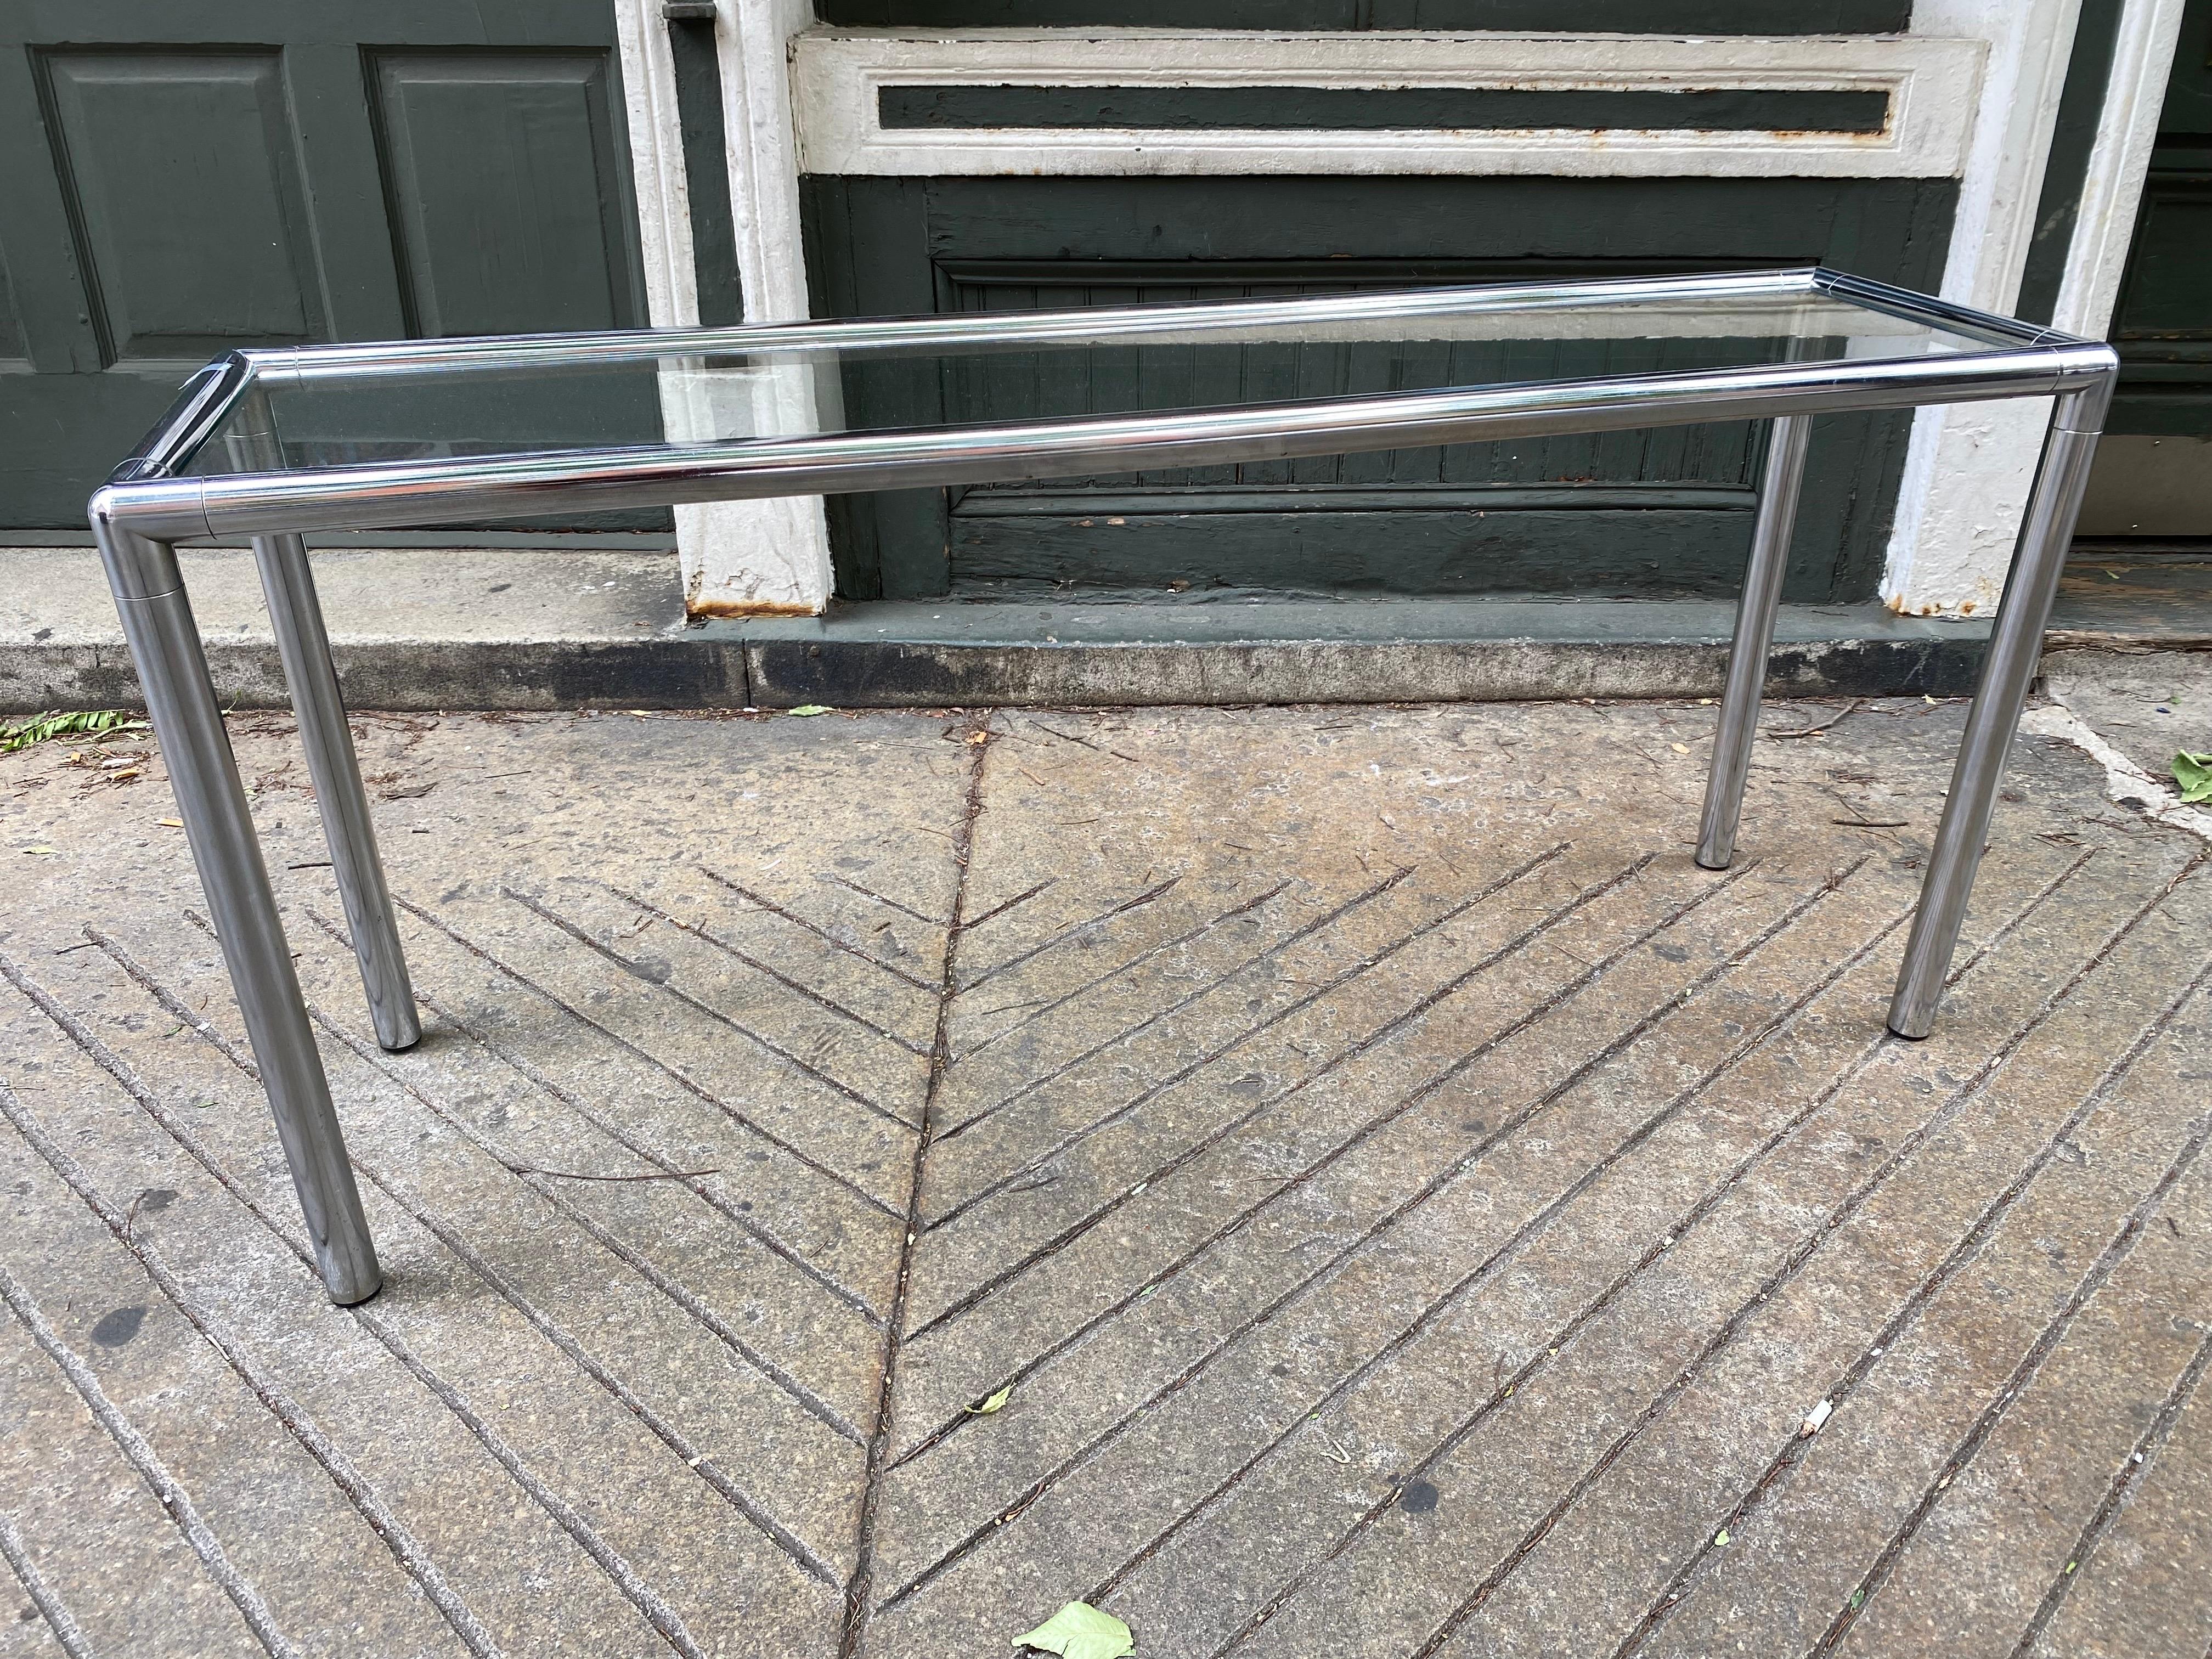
(1967, 470)
(739, 558)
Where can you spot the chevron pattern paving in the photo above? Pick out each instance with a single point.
(1399, 1205)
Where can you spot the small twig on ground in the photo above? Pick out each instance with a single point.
(1070, 737)
(578, 1174)
(1850, 708)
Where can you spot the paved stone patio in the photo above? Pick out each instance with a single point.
(1407, 1207)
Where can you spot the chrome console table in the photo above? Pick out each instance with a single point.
(271, 444)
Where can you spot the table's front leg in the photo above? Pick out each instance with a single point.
(157, 621)
(2007, 671)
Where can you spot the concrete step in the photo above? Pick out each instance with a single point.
(417, 628)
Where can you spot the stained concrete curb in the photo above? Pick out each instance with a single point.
(515, 628)
(929, 654)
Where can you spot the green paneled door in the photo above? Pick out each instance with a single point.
(177, 180)
(2163, 327)
(1627, 513)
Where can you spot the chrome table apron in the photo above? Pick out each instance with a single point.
(222, 465)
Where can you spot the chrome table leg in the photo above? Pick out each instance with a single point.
(1780, 488)
(305, 646)
(157, 621)
(2008, 669)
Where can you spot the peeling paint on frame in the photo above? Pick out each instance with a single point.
(837, 73)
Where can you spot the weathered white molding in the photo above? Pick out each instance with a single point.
(2112, 195)
(739, 558)
(756, 558)
(656, 158)
(1970, 468)
(838, 74)
(754, 36)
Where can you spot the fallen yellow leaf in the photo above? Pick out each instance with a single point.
(171, 823)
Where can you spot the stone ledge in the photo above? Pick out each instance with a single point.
(512, 629)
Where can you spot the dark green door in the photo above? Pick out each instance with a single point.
(1634, 514)
(2152, 485)
(181, 179)
(1628, 515)
(2163, 326)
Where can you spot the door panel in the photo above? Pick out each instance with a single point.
(179, 180)
(11, 329)
(2151, 478)
(1665, 512)
(2163, 326)
(509, 191)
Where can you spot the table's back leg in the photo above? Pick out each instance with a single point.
(1779, 487)
(2008, 671)
(157, 621)
(305, 646)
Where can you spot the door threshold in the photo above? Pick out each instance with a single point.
(1249, 649)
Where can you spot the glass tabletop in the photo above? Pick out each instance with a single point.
(346, 406)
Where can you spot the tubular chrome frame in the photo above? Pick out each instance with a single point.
(148, 506)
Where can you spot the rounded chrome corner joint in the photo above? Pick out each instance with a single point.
(138, 566)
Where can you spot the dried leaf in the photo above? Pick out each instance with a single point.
(991, 1402)
(39, 852)
(1079, 1631)
(170, 823)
